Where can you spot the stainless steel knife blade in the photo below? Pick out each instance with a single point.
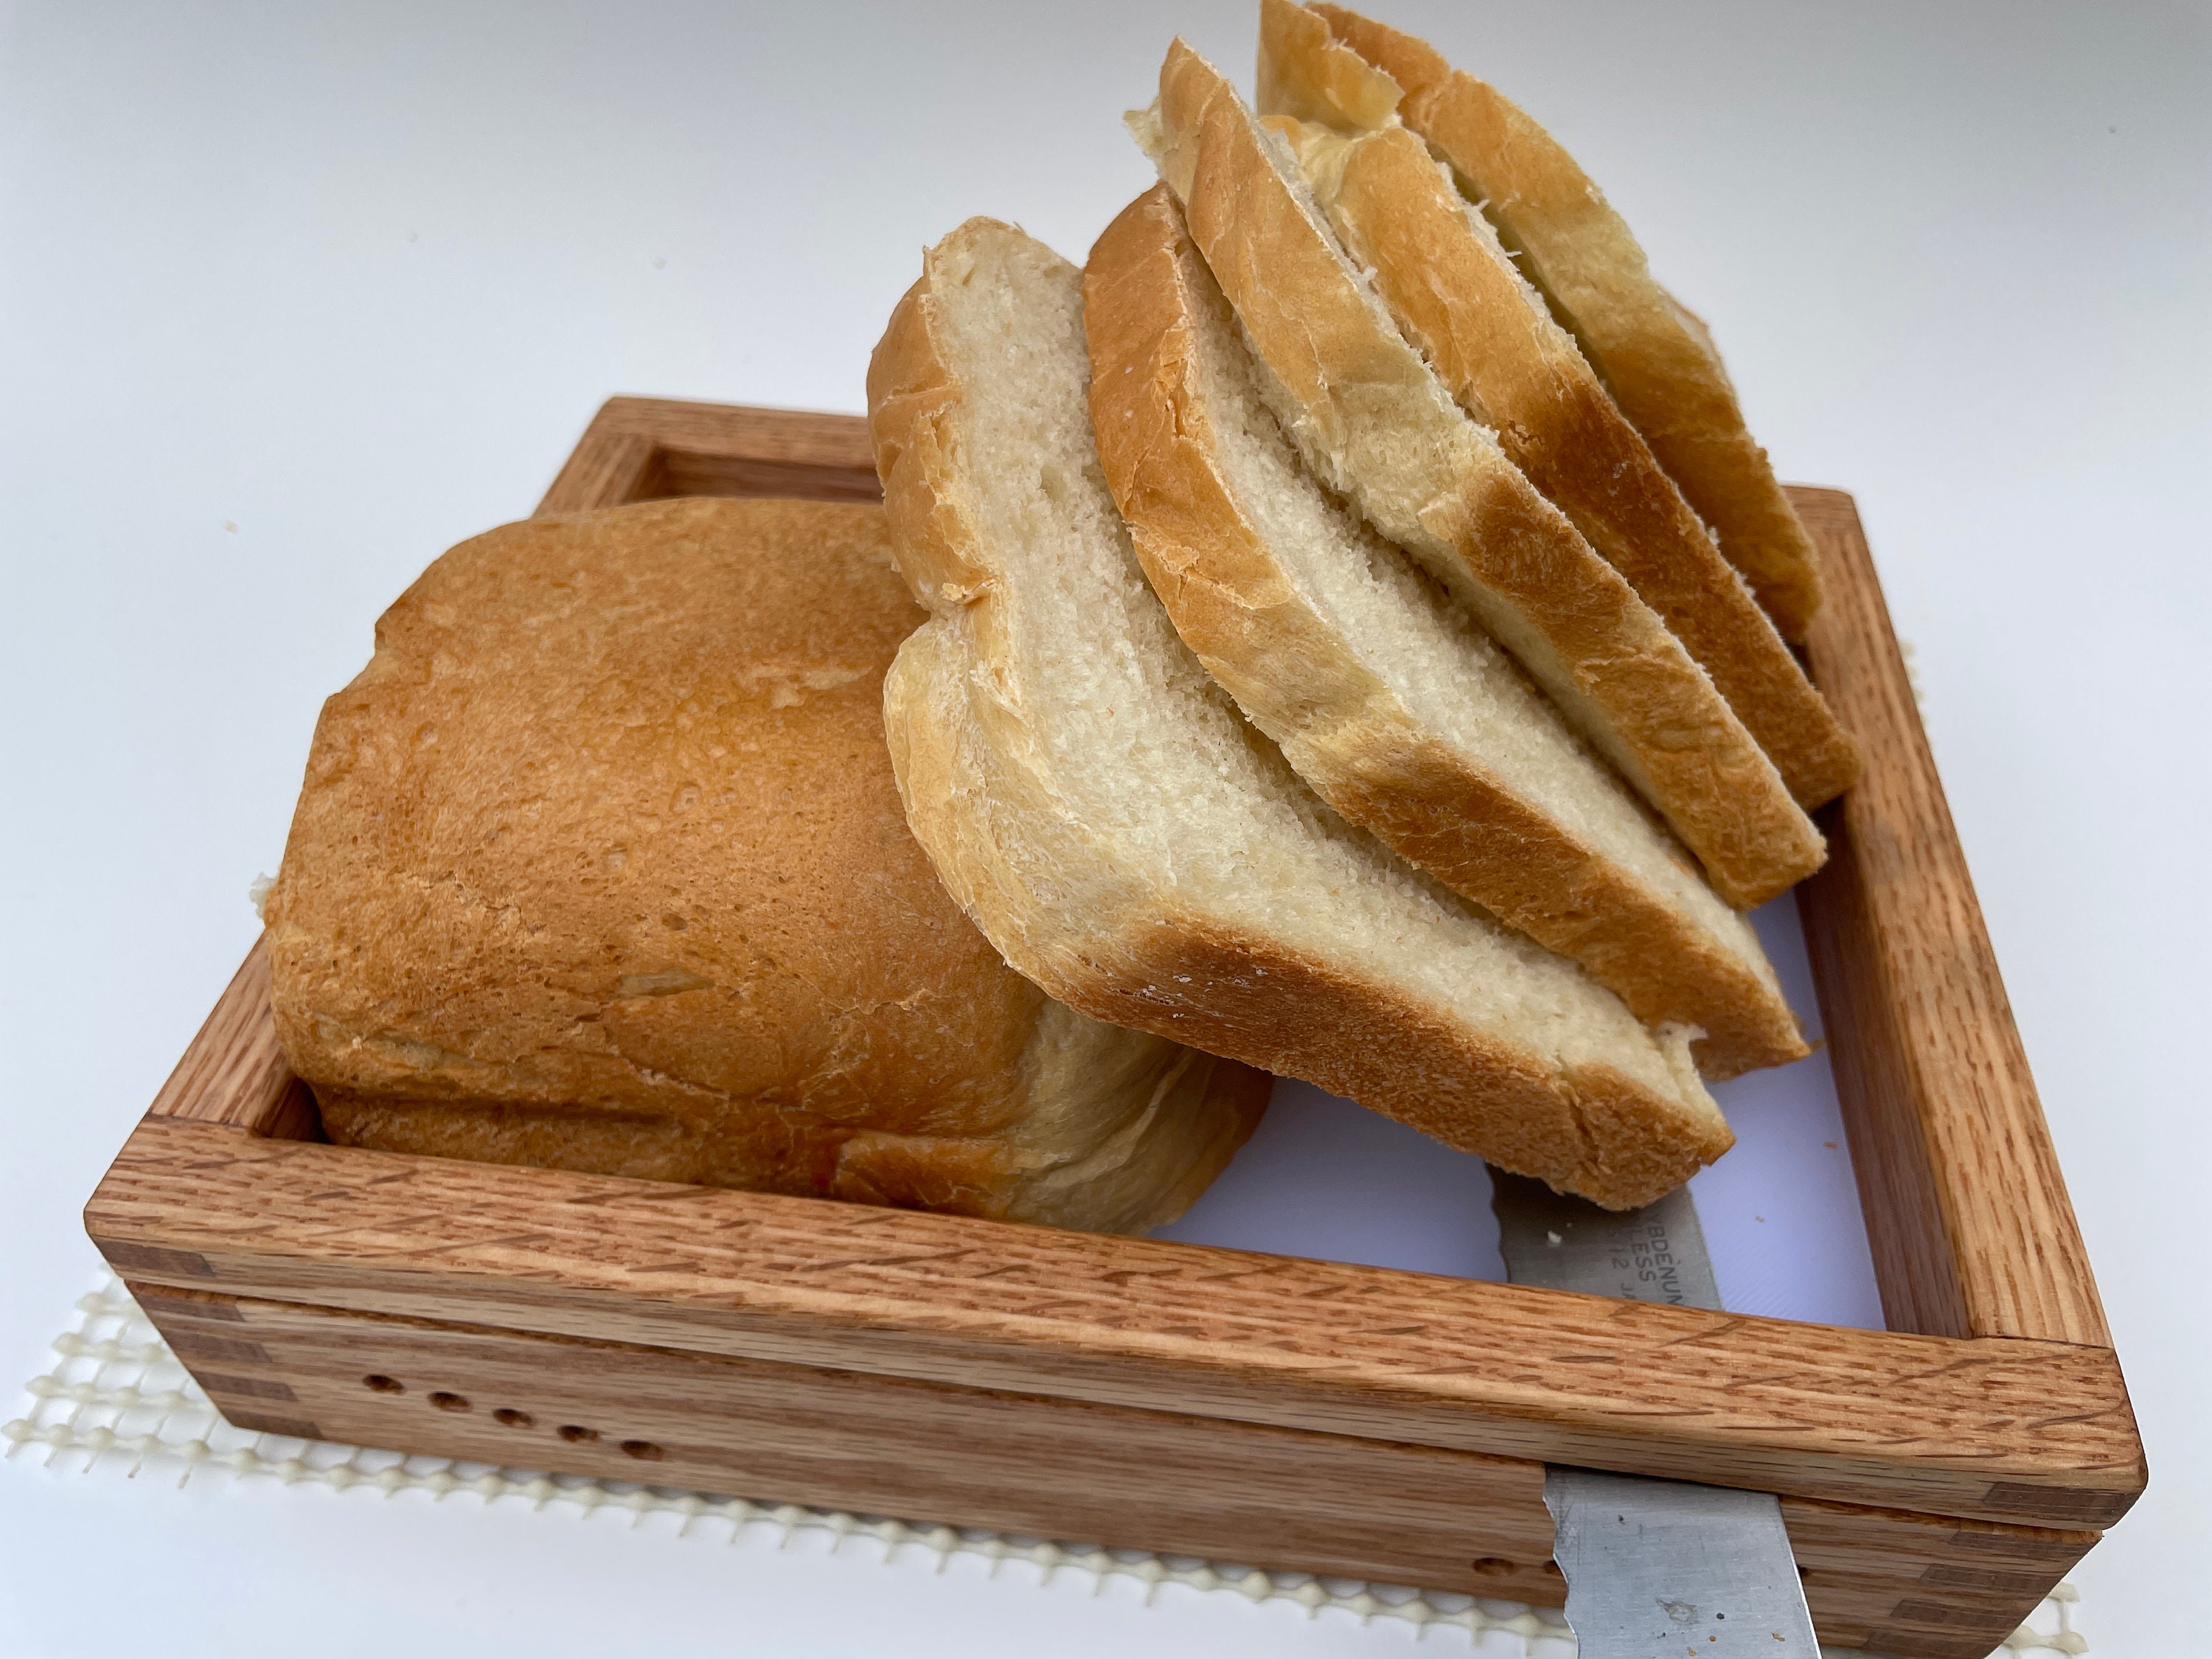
(1661, 1568)
(1655, 1569)
(1656, 1253)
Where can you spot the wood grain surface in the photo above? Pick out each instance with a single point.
(1967, 1210)
(640, 449)
(1049, 1468)
(233, 1072)
(2035, 1432)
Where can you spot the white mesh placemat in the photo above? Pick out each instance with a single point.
(116, 1400)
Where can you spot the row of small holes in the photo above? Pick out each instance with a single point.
(574, 1433)
(1491, 1567)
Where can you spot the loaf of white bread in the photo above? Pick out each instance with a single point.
(598, 866)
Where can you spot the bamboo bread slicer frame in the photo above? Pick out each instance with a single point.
(1936, 1478)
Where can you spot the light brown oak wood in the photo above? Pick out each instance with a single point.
(1997, 1430)
(1967, 1212)
(1936, 1478)
(640, 449)
(1039, 1466)
(233, 1072)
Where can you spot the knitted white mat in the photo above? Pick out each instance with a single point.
(116, 1401)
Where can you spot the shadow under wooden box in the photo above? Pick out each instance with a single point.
(1937, 1478)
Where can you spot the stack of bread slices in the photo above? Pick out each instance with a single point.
(1358, 619)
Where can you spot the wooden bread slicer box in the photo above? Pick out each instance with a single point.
(1937, 1478)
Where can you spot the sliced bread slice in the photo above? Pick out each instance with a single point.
(1657, 360)
(1375, 423)
(1382, 692)
(1094, 801)
(1438, 266)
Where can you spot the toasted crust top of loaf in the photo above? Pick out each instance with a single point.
(599, 864)
(1097, 804)
(1397, 711)
(1371, 419)
(1657, 359)
(1451, 287)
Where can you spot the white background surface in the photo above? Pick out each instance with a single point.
(293, 298)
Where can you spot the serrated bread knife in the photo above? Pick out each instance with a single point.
(1655, 1569)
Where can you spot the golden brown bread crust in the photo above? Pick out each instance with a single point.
(1463, 306)
(1583, 1129)
(978, 795)
(1439, 268)
(1573, 621)
(1659, 364)
(1344, 730)
(600, 864)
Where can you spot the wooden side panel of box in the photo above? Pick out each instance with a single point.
(2016, 1432)
(1057, 1469)
(1967, 1210)
(876, 1445)
(639, 449)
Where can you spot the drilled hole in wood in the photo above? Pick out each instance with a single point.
(644, 1448)
(577, 1432)
(449, 1402)
(384, 1384)
(512, 1418)
(1493, 1567)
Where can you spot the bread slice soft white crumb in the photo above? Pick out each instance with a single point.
(1383, 694)
(1095, 801)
